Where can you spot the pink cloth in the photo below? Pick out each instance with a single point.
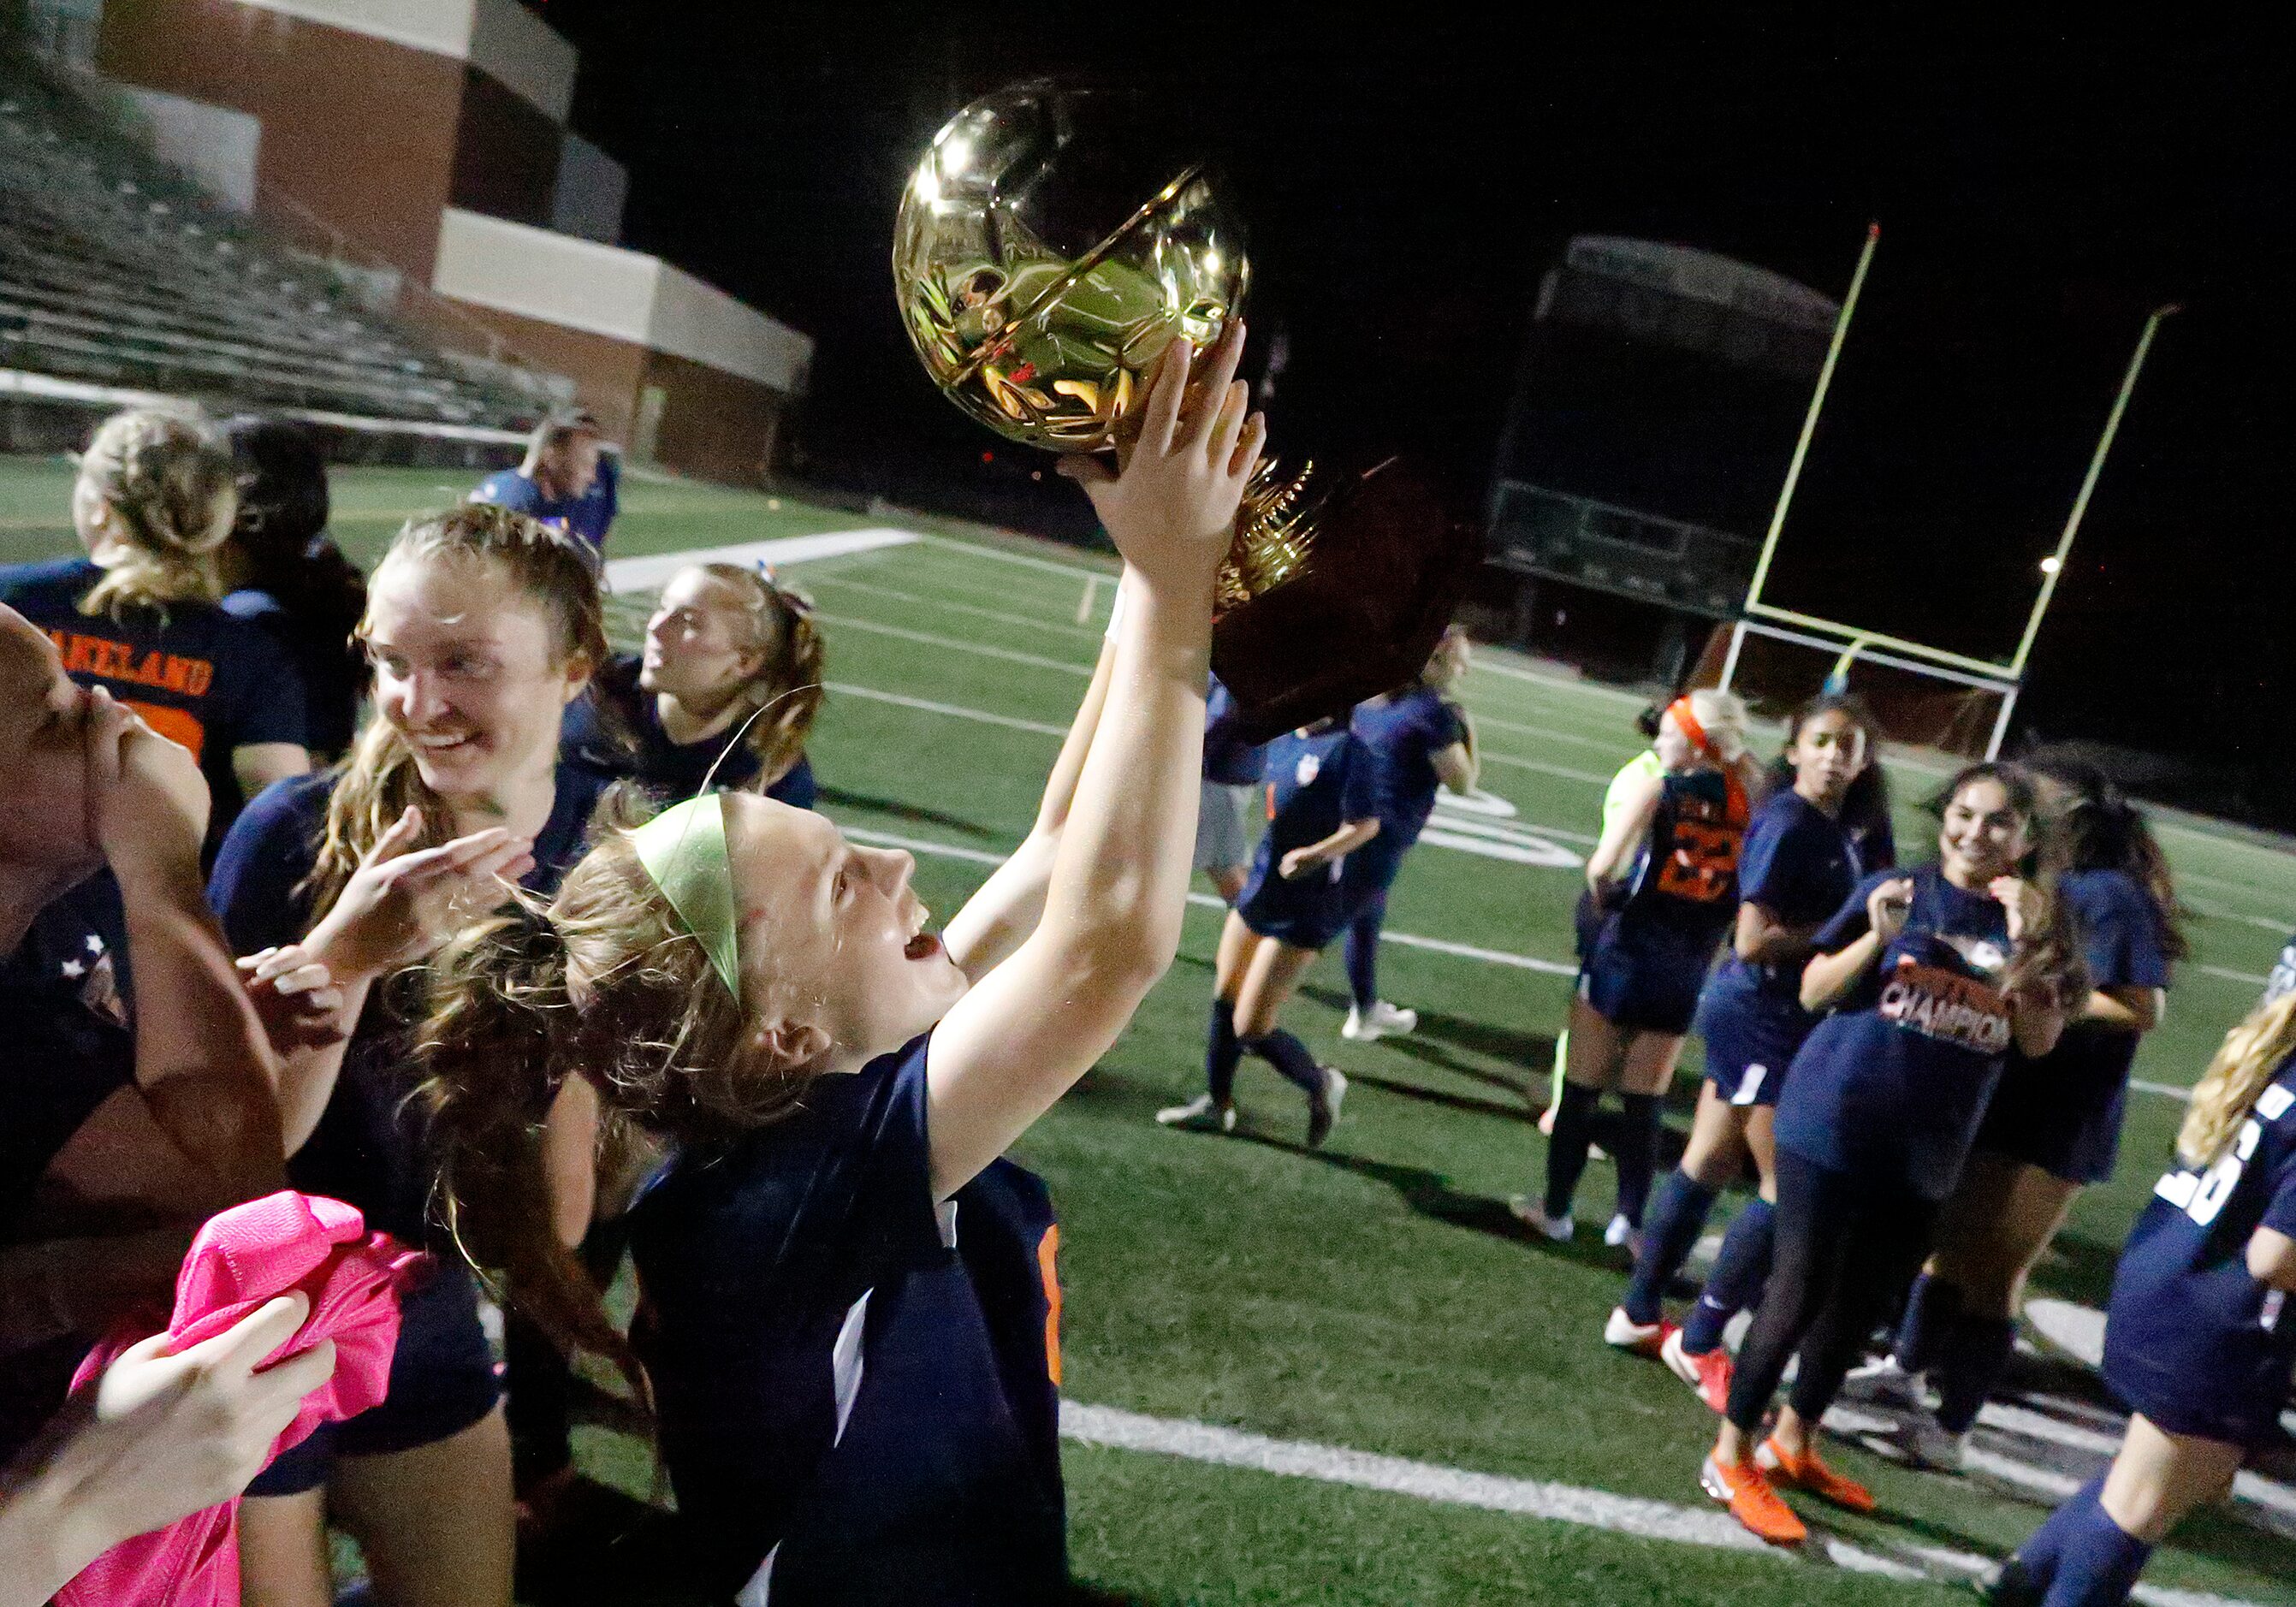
(250, 1254)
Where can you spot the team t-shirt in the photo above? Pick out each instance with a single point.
(1896, 1079)
(856, 1387)
(588, 516)
(2191, 1339)
(1402, 735)
(367, 1149)
(1685, 877)
(2122, 940)
(198, 676)
(1800, 865)
(614, 730)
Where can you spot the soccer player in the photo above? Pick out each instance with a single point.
(481, 625)
(2199, 1334)
(726, 691)
(1665, 876)
(1232, 770)
(1417, 740)
(2053, 1126)
(139, 616)
(568, 480)
(1930, 977)
(1805, 853)
(1320, 810)
(851, 1333)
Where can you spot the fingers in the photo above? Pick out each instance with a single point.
(1084, 471)
(1245, 458)
(396, 842)
(298, 1375)
(1218, 381)
(243, 1346)
(1159, 421)
(449, 858)
(1227, 427)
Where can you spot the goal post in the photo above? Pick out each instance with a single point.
(1920, 702)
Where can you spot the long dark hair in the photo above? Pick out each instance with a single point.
(2104, 831)
(2048, 959)
(1865, 807)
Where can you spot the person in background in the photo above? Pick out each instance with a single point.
(2200, 1333)
(1418, 739)
(725, 691)
(141, 615)
(1232, 775)
(282, 572)
(568, 480)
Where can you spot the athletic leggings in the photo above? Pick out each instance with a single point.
(1847, 1243)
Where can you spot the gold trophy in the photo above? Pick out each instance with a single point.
(1046, 254)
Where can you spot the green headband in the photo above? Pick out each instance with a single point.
(683, 850)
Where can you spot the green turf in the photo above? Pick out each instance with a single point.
(1375, 1294)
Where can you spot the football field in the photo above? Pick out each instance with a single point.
(1347, 1375)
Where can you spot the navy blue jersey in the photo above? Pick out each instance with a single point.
(614, 730)
(856, 1386)
(198, 676)
(2191, 1340)
(1403, 734)
(1897, 1079)
(1228, 760)
(316, 634)
(367, 1150)
(1315, 785)
(1687, 876)
(588, 516)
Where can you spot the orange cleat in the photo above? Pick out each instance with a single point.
(1745, 1490)
(1807, 1473)
(1707, 1373)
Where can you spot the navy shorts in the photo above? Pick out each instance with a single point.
(1750, 1042)
(1306, 914)
(2071, 1132)
(2187, 1394)
(443, 1379)
(1637, 978)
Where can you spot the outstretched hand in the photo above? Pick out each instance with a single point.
(1171, 509)
(403, 902)
(295, 998)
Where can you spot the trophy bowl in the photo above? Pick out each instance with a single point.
(1048, 248)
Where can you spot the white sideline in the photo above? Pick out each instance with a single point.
(640, 574)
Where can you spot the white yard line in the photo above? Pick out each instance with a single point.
(845, 689)
(1025, 621)
(1024, 560)
(654, 568)
(1541, 765)
(951, 644)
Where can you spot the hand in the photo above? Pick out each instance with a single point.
(402, 902)
(2020, 901)
(171, 1435)
(147, 802)
(1172, 508)
(1888, 906)
(1296, 864)
(295, 998)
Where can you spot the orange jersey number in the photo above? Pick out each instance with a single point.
(1699, 863)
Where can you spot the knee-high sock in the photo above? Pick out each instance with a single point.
(1637, 1153)
(2097, 1561)
(2045, 1548)
(1363, 952)
(1222, 1050)
(1289, 1056)
(1566, 1149)
(1676, 1216)
(1933, 1311)
(1740, 1271)
(1976, 1355)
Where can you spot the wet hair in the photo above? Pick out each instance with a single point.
(1865, 805)
(2104, 831)
(2047, 960)
(2243, 1066)
(166, 474)
(377, 782)
(787, 683)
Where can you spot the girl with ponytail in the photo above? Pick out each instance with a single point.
(2201, 1330)
(724, 692)
(851, 1338)
(141, 615)
(481, 625)
(2053, 1128)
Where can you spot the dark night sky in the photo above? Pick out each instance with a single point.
(2040, 189)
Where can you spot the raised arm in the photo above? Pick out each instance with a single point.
(1624, 830)
(1116, 894)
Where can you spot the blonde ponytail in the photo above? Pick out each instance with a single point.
(788, 685)
(2244, 1064)
(167, 479)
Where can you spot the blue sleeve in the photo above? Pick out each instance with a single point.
(508, 489)
(1439, 726)
(1359, 789)
(1849, 923)
(2120, 938)
(796, 787)
(269, 850)
(272, 703)
(1765, 865)
(885, 1158)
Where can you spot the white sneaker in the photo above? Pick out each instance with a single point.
(1384, 1018)
(1532, 1214)
(1884, 1383)
(1642, 1339)
(1324, 1108)
(1929, 1443)
(1619, 1231)
(1199, 1112)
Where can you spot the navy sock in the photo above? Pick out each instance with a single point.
(1289, 1056)
(1363, 952)
(1969, 1368)
(1566, 1149)
(1740, 1272)
(1675, 1219)
(1222, 1050)
(2099, 1562)
(2037, 1558)
(1933, 1311)
(1637, 1153)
